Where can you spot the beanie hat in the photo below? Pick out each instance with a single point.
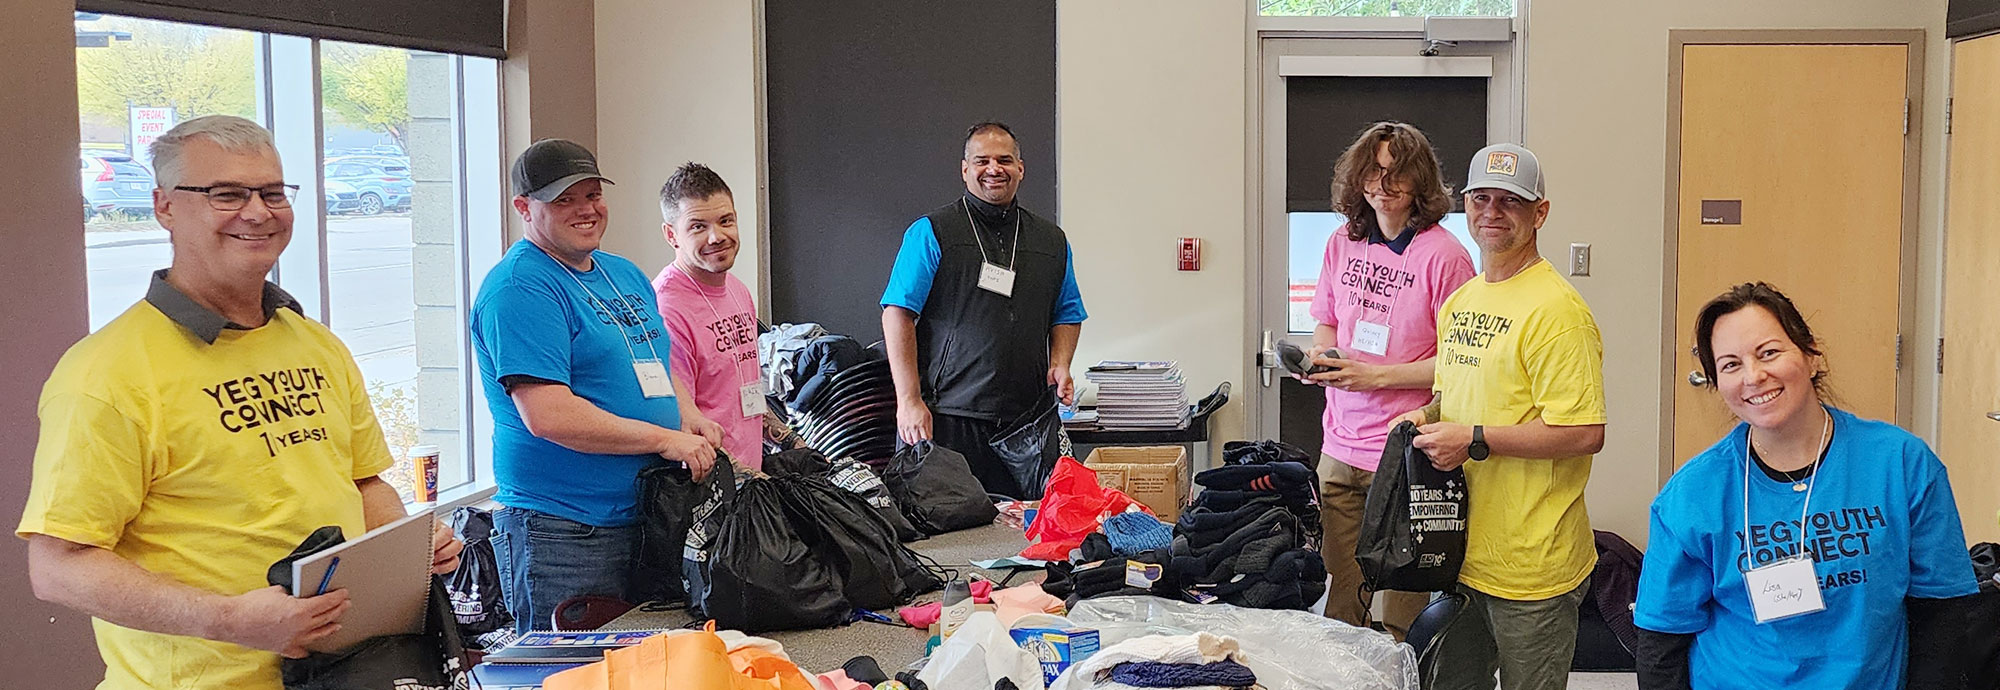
(1131, 533)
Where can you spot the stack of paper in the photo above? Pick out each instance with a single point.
(1137, 396)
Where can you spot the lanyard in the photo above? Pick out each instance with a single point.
(606, 306)
(1804, 510)
(1012, 253)
(738, 364)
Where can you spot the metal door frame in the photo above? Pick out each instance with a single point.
(1332, 53)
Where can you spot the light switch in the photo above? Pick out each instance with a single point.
(1579, 259)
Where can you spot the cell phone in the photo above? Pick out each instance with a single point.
(1295, 360)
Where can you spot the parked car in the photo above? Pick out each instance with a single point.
(115, 182)
(372, 185)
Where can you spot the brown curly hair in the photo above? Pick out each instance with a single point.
(1416, 172)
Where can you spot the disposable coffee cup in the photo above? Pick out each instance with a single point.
(424, 465)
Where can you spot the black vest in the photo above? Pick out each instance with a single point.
(983, 355)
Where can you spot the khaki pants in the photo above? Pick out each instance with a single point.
(1531, 643)
(1343, 493)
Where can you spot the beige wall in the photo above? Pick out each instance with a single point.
(42, 277)
(548, 83)
(676, 82)
(1150, 131)
(1596, 116)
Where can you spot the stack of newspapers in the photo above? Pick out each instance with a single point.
(1139, 396)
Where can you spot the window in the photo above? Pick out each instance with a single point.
(1385, 8)
(388, 254)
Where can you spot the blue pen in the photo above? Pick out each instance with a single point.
(327, 579)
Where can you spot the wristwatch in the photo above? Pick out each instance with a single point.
(1478, 449)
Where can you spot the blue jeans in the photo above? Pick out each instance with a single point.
(546, 559)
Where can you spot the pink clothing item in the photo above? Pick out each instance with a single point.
(1365, 281)
(982, 591)
(837, 680)
(714, 335)
(922, 615)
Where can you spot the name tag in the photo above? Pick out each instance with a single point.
(1784, 589)
(654, 382)
(997, 280)
(753, 399)
(1372, 338)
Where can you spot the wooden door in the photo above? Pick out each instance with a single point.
(1809, 138)
(1971, 385)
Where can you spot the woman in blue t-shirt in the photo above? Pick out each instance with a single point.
(1809, 547)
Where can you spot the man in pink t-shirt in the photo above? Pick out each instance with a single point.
(710, 317)
(1386, 274)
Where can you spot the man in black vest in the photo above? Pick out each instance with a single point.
(982, 312)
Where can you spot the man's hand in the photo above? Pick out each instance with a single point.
(1416, 416)
(1446, 443)
(913, 421)
(1349, 375)
(445, 547)
(703, 427)
(274, 621)
(695, 451)
(1065, 386)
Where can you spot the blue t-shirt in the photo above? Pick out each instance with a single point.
(917, 265)
(538, 318)
(1882, 526)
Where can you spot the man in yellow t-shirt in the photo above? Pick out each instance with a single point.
(200, 437)
(1520, 393)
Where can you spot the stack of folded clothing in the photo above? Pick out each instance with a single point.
(1109, 566)
(1294, 476)
(1251, 539)
(1201, 661)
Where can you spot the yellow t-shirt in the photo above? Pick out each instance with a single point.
(202, 463)
(1508, 353)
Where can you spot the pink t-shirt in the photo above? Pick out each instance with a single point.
(714, 335)
(1365, 281)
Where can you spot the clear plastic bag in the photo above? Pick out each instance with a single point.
(1288, 650)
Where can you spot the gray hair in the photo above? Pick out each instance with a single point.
(232, 133)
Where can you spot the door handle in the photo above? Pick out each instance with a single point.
(1267, 359)
(1995, 416)
(1697, 380)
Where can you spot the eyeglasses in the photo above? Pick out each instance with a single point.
(234, 198)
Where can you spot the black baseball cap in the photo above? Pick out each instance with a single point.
(550, 166)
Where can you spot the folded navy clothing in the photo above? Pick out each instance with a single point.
(1268, 451)
(1155, 674)
(1208, 518)
(1199, 541)
(1276, 476)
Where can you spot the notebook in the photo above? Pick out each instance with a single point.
(387, 575)
(550, 647)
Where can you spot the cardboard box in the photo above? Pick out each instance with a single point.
(1154, 475)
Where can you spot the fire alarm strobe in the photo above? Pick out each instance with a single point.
(1190, 254)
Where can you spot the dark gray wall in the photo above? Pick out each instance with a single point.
(1967, 17)
(867, 108)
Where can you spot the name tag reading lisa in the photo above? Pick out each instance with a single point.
(654, 382)
(1784, 589)
(753, 399)
(997, 280)
(1372, 338)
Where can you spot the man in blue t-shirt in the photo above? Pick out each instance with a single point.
(573, 360)
(981, 314)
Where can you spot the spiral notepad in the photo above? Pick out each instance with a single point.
(387, 575)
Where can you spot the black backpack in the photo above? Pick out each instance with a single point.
(475, 586)
(1413, 526)
(936, 489)
(434, 659)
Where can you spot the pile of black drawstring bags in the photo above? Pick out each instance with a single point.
(783, 551)
(1252, 536)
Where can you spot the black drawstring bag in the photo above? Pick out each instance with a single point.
(875, 569)
(757, 573)
(667, 500)
(849, 474)
(1029, 446)
(1413, 525)
(432, 660)
(475, 587)
(936, 490)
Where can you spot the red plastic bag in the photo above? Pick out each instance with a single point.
(1073, 506)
